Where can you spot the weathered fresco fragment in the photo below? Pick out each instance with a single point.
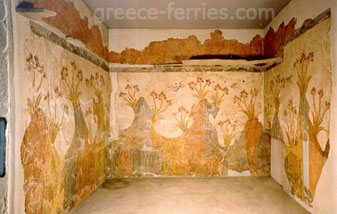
(67, 108)
(171, 50)
(187, 123)
(175, 50)
(297, 106)
(77, 26)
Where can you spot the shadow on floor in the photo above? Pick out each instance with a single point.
(115, 183)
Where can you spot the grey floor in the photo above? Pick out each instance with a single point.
(237, 195)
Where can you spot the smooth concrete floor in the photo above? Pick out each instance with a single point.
(232, 195)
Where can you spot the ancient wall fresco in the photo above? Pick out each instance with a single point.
(64, 114)
(188, 123)
(297, 109)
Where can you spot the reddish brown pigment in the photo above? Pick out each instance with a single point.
(167, 51)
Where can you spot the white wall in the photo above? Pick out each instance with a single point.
(325, 200)
(140, 38)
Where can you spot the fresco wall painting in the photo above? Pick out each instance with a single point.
(300, 89)
(181, 123)
(296, 99)
(196, 108)
(67, 110)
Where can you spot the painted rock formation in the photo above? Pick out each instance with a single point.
(33, 151)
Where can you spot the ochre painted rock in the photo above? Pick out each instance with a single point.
(33, 149)
(253, 132)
